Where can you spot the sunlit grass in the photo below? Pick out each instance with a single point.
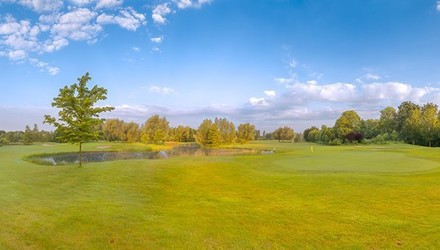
(334, 197)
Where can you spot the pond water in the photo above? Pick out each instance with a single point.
(180, 151)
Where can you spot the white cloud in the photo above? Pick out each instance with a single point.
(42, 5)
(183, 4)
(82, 2)
(284, 81)
(108, 3)
(438, 5)
(77, 25)
(159, 13)
(17, 55)
(255, 101)
(270, 93)
(395, 91)
(368, 77)
(161, 90)
(157, 39)
(43, 66)
(128, 19)
(60, 22)
(54, 44)
(18, 36)
(336, 92)
(136, 49)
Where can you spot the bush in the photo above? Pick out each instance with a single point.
(380, 139)
(3, 141)
(335, 142)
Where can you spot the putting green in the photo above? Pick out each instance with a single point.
(361, 159)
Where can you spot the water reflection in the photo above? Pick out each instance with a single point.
(180, 151)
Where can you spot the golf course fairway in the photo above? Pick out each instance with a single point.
(301, 196)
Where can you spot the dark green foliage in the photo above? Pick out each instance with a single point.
(369, 128)
(412, 123)
(28, 136)
(311, 134)
(335, 142)
(347, 123)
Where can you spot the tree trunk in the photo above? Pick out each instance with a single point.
(80, 154)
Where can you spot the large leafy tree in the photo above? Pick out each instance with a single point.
(245, 133)
(403, 113)
(155, 130)
(326, 134)
(78, 117)
(114, 130)
(388, 120)
(370, 128)
(412, 126)
(348, 122)
(132, 132)
(203, 132)
(284, 134)
(214, 136)
(430, 123)
(311, 133)
(227, 130)
(183, 134)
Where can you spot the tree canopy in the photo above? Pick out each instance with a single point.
(246, 133)
(155, 130)
(78, 117)
(347, 123)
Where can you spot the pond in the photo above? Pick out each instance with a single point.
(180, 151)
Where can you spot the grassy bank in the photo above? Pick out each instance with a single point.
(303, 196)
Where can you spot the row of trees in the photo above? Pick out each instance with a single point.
(28, 136)
(410, 123)
(157, 130)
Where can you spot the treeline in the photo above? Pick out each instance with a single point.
(28, 136)
(156, 130)
(411, 123)
(281, 134)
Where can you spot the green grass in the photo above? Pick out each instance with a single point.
(349, 197)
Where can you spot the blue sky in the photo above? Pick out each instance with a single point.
(272, 63)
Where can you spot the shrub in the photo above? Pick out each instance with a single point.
(380, 139)
(335, 142)
(3, 141)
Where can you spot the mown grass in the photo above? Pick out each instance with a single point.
(365, 197)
